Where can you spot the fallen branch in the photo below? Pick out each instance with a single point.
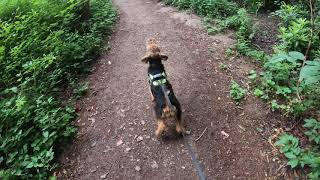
(201, 134)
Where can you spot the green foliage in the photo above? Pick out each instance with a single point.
(237, 93)
(295, 37)
(242, 23)
(258, 92)
(11, 8)
(253, 5)
(279, 81)
(290, 147)
(44, 47)
(209, 8)
(289, 80)
(313, 131)
(80, 89)
(296, 28)
(310, 73)
(289, 13)
(297, 156)
(252, 75)
(229, 52)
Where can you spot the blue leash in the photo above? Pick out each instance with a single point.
(194, 159)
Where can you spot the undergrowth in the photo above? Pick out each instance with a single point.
(44, 47)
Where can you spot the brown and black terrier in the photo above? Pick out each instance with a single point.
(166, 105)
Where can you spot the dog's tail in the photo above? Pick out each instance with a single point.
(169, 110)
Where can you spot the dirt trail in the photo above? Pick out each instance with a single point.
(116, 124)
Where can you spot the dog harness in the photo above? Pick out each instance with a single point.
(158, 79)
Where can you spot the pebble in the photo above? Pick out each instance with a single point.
(128, 149)
(140, 138)
(119, 142)
(93, 144)
(226, 135)
(188, 132)
(137, 168)
(103, 176)
(154, 165)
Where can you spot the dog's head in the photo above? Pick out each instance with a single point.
(153, 51)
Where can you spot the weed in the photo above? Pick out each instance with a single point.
(223, 66)
(237, 93)
(229, 52)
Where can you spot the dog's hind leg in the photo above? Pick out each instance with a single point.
(179, 122)
(161, 127)
(152, 97)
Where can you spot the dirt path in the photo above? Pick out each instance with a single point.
(116, 124)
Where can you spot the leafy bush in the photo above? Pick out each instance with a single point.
(299, 27)
(11, 8)
(295, 37)
(43, 49)
(279, 81)
(289, 13)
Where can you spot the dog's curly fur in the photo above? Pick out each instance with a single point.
(162, 108)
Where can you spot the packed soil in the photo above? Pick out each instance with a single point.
(116, 140)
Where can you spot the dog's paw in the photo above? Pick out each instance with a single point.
(158, 133)
(180, 129)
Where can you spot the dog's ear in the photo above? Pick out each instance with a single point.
(163, 57)
(145, 59)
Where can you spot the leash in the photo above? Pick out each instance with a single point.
(194, 159)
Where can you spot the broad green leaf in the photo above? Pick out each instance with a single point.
(310, 73)
(296, 55)
(30, 165)
(278, 58)
(290, 155)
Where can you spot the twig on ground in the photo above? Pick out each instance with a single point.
(277, 171)
(201, 134)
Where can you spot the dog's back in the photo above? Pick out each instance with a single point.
(167, 105)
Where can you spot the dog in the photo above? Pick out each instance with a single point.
(166, 105)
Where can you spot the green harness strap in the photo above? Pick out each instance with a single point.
(160, 81)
